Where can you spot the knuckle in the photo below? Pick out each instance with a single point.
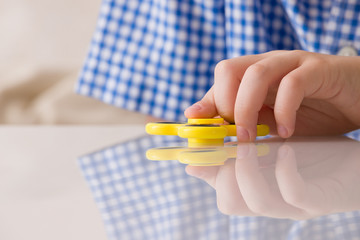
(225, 208)
(275, 52)
(228, 205)
(300, 201)
(259, 208)
(224, 66)
(298, 52)
(292, 82)
(256, 69)
(294, 199)
(317, 63)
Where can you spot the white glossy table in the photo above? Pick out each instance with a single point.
(94, 182)
(42, 192)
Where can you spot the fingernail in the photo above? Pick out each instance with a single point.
(282, 131)
(242, 134)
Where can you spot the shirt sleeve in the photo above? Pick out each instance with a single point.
(154, 57)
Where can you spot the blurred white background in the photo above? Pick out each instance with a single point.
(43, 44)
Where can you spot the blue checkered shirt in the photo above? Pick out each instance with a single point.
(158, 57)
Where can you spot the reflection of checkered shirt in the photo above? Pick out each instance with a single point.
(158, 57)
(157, 200)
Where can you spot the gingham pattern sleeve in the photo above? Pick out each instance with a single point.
(158, 57)
(141, 199)
(155, 57)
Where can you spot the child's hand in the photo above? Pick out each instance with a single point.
(296, 92)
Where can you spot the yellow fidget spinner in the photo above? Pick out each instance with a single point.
(209, 156)
(200, 130)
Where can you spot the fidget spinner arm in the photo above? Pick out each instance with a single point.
(200, 131)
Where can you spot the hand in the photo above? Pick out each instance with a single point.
(295, 92)
(299, 179)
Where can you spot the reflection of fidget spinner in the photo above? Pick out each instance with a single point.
(200, 131)
(208, 156)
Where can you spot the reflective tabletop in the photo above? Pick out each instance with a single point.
(118, 183)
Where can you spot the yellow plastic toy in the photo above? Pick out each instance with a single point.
(201, 130)
(208, 156)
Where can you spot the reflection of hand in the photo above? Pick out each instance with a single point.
(308, 179)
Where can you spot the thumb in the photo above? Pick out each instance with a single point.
(205, 108)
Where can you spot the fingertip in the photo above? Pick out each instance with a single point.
(243, 134)
(246, 134)
(201, 110)
(193, 110)
(284, 132)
